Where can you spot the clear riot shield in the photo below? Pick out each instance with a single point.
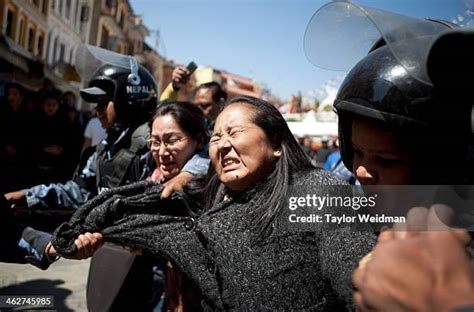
(90, 58)
(341, 33)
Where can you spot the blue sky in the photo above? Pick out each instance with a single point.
(262, 39)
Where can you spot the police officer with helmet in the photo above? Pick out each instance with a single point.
(126, 95)
(411, 80)
(409, 75)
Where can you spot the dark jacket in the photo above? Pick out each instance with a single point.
(19, 243)
(117, 161)
(51, 131)
(117, 280)
(289, 270)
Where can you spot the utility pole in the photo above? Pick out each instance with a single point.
(158, 41)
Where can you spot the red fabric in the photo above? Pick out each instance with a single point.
(156, 176)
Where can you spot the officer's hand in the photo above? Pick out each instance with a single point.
(17, 200)
(86, 244)
(176, 184)
(416, 265)
(438, 217)
(180, 77)
(427, 272)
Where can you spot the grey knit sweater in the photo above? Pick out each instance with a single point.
(217, 250)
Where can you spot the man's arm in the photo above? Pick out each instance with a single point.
(180, 78)
(199, 163)
(71, 194)
(56, 195)
(27, 245)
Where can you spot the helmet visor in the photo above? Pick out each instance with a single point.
(341, 33)
(90, 58)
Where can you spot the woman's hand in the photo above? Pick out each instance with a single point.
(438, 217)
(86, 244)
(17, 200)
(176, 184)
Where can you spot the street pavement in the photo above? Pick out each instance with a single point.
(65, 280)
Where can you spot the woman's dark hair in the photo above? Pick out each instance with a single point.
(14, 85)
(68, 93)
(272, 192)
(218, 94)
(188, 116)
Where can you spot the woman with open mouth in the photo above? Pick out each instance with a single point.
(233, 240)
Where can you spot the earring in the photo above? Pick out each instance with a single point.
(277, 153)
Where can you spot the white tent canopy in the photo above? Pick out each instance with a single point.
(313, 128)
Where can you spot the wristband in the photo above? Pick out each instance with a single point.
(46, 253)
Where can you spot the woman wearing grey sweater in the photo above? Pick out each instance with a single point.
(236, 247)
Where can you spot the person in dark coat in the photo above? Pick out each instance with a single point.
(125, 98)
(237, 249)
(16, 130)
(406, 118)
(51, 143)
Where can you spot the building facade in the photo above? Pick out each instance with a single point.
(112, 20)
(69, 23)
(235, 85)
(23, 41)
(39, 39)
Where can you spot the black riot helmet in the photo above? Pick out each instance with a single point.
(379, 89)
(129, 85)
(393, 84)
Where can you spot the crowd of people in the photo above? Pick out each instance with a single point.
(198, 190)
(42, 136)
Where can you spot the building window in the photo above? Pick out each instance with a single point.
(84, 19)
(68, 9)
(45, 7)
(62, 51)
(31, 39)
(77, 17)
(55, 50)
(40, 45)
(122, 19)
(104, 40)
(84, 14)
(110, 3)
(10, 23)
(21, 35)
